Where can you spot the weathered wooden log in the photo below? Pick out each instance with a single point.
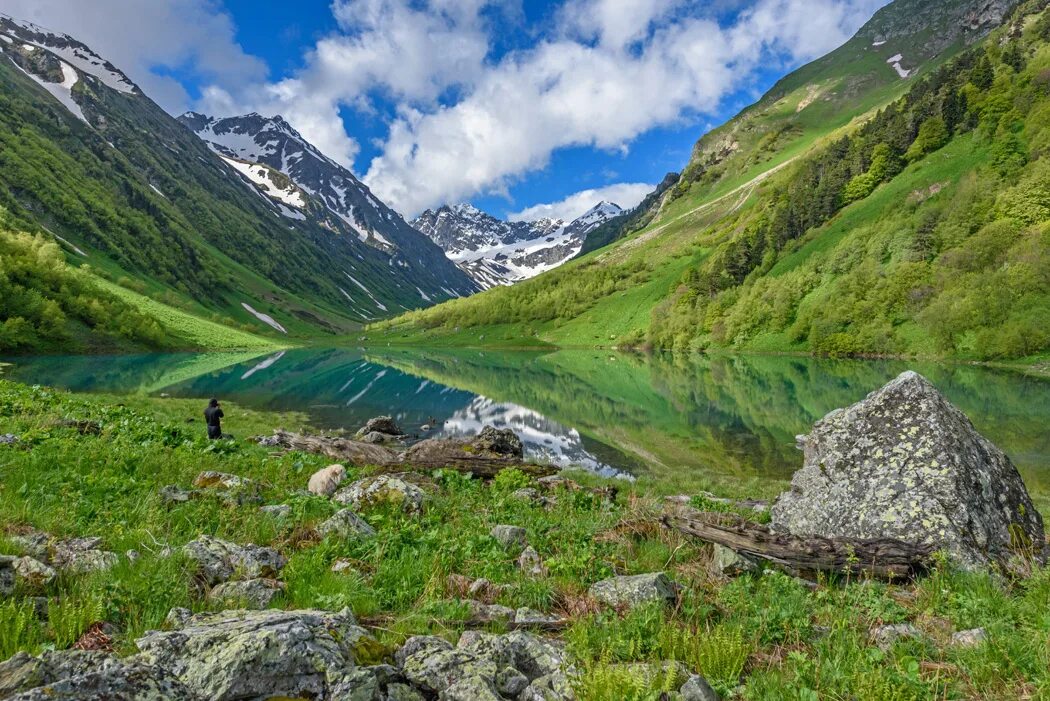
(359, 454)
(883, 558)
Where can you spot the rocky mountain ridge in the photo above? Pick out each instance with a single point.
(131, 185)
(496, 252)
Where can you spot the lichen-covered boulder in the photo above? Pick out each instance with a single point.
(634, 590)
(729, 563)
(552, 687)
(382, 490)
(249, 593)
(220, 560)
(346, 524)
(529, 654)
(74, 675)
(906, 464)
(232, 489)
(435, 670)
(259, 654)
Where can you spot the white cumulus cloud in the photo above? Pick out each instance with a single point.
(626, 195)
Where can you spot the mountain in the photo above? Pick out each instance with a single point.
(869, 204)
(495, 252)
(89, 161)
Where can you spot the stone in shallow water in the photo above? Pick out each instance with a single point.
(381, 424)
(906, 464)
(631, 591)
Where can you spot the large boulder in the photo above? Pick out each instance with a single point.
(250, 593)
(219, 560)
(260, 654)
(906, 464)
(388, 490)
(73, 675)
(492, 443)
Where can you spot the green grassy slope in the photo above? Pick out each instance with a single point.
(919, 229)
(753, 636)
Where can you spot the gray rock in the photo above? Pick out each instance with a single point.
(420, 644)
(553, 687)
(510, 682)
(531, 655)
(471, 688)
(132, 555)
(485, 590)
(219, 560)
(177, 618)
(530, 617)
(36, 544)
(259, 654)
(84, 561)
(7, 575)
(75, 675)
(630, 591)
(697, 689)
(174, 494)
(904, 463)
(729, 563)
(342, 565)
(251, 593)
(376, 438)
(510, 537)
(886, 636)
(499, 442)
(346, 524)
(8, 439)
(403, 692)
(389, 490)
(31, 573)
(528, 494)
(489, 613)
(969, 638)
(434, 670)
(231, 488)
(277, 510)
(382, 425)
(529, 562)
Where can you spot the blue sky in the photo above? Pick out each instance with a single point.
(525, 108)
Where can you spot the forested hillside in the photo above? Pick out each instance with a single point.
(921, 227)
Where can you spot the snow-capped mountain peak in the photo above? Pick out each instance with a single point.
(496, 252)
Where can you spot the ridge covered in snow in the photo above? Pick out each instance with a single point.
(496, 252)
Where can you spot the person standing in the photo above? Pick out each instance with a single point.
(212, 416)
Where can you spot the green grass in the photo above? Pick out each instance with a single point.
(194, 330)
(758, 635)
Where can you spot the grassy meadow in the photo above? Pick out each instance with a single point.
(762, 636)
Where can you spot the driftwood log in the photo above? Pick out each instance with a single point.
(358, 453)
(883, 558)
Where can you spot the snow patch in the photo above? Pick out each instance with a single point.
(63, 92)
(878, 43)
(262, 177)
(265, 318)
(895, 61)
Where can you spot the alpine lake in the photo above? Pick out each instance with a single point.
(680, 424)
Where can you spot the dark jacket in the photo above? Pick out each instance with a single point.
(212, 415)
